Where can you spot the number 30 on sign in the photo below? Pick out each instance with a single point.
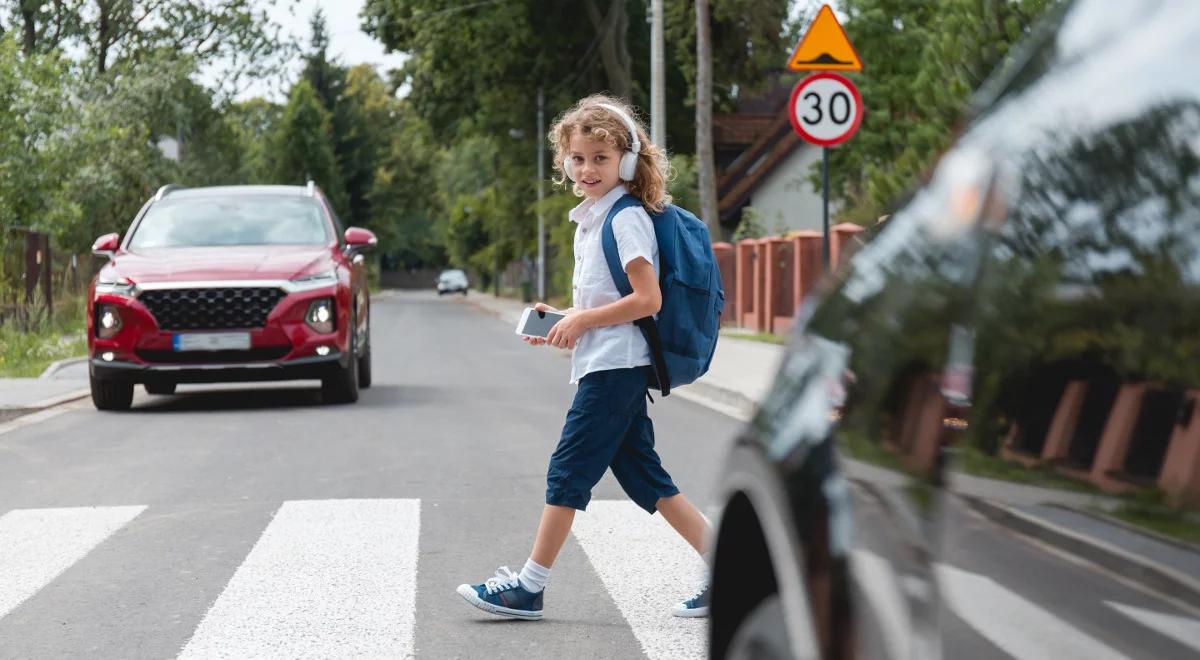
(826, 109)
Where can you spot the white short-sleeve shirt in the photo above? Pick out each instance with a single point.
(616, 346)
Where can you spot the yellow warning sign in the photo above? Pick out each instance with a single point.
(825, 47)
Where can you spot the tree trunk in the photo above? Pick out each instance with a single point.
(705, 164)
(614, 53)
(29, 10)
(104, 37)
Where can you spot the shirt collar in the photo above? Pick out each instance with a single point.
(589, 212)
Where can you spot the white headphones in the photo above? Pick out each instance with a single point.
(628, 166)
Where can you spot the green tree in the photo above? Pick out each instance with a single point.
(252, 122)
(234, 38)
(922, 62)
(404, 207)
(370, 114)
(304, 146)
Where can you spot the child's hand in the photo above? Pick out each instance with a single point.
(566, 332)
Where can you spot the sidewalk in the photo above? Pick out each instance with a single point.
(62, 382)
(740, 378)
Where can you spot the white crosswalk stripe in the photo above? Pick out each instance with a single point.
(646, 568)
(882, 591)
(337, 578)
(331, 578)
(1184, 630)
(1015, 624)
(37, 545)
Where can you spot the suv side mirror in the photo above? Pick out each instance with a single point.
(360, 240)
(106, 245)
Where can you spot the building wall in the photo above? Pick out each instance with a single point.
(786, 199)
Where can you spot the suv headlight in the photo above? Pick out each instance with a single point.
(121, 286)
(314, 281)
(108, 321)
(320, 316)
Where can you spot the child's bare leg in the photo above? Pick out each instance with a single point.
(552, 533)
(686, 520)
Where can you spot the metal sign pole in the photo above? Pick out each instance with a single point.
(541, 230)
(825, 202)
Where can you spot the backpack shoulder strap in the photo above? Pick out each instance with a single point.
(608, 242)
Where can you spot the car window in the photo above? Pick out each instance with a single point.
(197, 222)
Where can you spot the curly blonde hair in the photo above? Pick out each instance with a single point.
(592, 120)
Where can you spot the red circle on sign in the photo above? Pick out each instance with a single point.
(800, 128)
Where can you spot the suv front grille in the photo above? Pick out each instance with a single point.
(220, 308)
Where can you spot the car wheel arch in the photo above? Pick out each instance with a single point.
(756, 503)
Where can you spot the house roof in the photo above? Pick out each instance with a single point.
(774, 142)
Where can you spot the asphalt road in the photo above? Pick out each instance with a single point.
(240, 521)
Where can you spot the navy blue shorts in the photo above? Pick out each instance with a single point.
(607, 427)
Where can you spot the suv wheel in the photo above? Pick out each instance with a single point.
(342, 385)
(111, 394)
(761, 635)
(364, 362)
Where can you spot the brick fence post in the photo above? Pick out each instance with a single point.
(727, 264)
(843, 239)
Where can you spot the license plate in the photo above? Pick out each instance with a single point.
(211, 341)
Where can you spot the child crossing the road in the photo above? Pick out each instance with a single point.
(606, 154)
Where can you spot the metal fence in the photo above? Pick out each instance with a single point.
(37, 283)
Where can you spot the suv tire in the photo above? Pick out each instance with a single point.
(342, 385)
(111, 394)
(364, 362)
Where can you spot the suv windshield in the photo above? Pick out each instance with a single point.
(265, 220)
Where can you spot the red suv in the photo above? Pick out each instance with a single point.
(237, 283)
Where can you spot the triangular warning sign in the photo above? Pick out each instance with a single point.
(825, 47)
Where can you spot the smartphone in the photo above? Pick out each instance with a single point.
(537, 324)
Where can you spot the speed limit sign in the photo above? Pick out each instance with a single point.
(826, 109)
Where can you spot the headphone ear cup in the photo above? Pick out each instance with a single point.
(567, 169)
(628, 167)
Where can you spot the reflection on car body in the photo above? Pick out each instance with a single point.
(1028, 321)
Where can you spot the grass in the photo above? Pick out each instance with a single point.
(26, 354)
(973, 461)
(764, 337)
(1172, 523)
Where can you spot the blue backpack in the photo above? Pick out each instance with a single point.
(684, 338)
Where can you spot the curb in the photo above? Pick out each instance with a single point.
(725, 401)
(503, 315)
(58, 365)
(1117, 522)
(1146, 573)
(53, 401)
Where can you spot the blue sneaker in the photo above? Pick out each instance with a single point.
(696, 606)
(504, 595)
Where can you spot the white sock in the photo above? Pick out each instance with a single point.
(534, 576)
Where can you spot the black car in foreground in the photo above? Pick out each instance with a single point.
(1016, 351)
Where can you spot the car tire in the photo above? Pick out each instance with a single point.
(342, 385)
(364, 362)
(111, 394)
(464, 293)
(761, 635)
(160, 388)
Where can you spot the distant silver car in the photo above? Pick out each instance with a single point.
(452, 281)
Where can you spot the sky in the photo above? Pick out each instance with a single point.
(348, 44)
